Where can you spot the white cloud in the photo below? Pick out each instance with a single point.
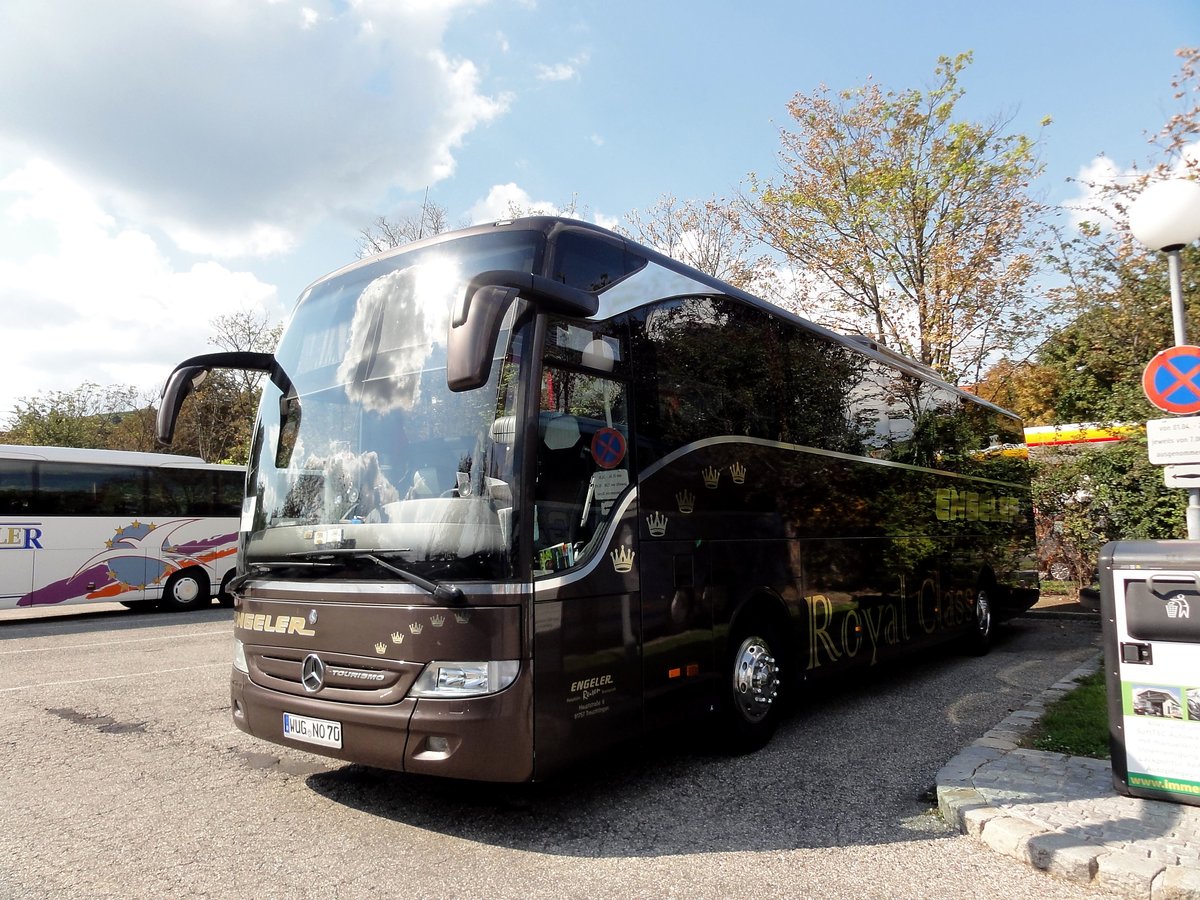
(562, 71)
(96, 300)
(1091, 205)
(504, 201)
(234, 125)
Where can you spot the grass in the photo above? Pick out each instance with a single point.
(1057, 588)
(1076, 724)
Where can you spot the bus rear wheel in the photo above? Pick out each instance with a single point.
(752, 691)
(979, 641)
(186, 590)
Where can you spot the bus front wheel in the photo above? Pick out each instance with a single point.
(752, 693)
(185, 590)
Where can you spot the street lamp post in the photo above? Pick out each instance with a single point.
(1166, 217)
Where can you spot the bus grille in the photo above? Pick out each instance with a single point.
(348, 679)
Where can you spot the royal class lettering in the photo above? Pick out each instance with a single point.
(20, 537)
(589, 683)
(968, 506)
(846, 630)
(272, 624)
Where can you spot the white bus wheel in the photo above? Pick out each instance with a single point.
(186, 589)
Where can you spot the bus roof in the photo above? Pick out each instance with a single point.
(86, 455)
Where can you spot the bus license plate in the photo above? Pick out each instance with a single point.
(312, 731)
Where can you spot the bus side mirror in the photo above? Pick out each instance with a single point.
(475, 324)
(190, 374)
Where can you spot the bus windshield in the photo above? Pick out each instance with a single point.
(370, 454)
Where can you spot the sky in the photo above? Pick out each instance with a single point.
(167, 162)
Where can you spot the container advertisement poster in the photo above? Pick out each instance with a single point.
(1150, 605)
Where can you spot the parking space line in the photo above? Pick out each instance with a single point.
(27, 687)
(224, 631)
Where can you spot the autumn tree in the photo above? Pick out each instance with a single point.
(909, 223)
(216, 420)
(1029, 389)
(705, 234)
(384, 234)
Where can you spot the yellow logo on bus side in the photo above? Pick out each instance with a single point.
(272, 624)
(969, 506)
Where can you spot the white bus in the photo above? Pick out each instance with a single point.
(97, 526)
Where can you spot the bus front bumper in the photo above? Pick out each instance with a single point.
(488, 738)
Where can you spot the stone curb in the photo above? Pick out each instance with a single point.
(967, 809)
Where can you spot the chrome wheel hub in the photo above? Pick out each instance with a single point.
(755, 679)
(983, 613)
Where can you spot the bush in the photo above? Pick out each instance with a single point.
(1087, 497)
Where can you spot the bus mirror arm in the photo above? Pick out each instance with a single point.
(190, 374)
(475, 323)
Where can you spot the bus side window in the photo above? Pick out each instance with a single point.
(16, 487)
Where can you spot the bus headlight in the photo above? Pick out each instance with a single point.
(239, 657)
(465, 679)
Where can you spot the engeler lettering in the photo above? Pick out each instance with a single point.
(272, 624)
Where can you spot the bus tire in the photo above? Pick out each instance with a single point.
(979, 641)
(223, 596)
(752, 692)
(185, 590)
(138, 606)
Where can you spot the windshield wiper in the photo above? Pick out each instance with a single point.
(445, 593)
(255, 569)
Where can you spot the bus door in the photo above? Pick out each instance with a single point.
(587, 603)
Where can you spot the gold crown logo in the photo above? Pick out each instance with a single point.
(712, 477)
(657, 523)
(416, 627)
(686, 501)
(437, 621)
(738, 471)
(622, 559)
(381, 648)
(397, 637)
(462, 618)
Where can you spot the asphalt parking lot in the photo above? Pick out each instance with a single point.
(123, 776)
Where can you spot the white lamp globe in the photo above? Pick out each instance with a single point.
(1166, 214)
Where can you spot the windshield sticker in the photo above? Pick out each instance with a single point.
(608, 448)
(606, 487)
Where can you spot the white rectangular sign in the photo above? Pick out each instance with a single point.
(1182, 476)
(1174, 440)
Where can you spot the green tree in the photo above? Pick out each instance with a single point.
(88, 416)
(1118, 297)
(1117, 290)
(913, 226)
